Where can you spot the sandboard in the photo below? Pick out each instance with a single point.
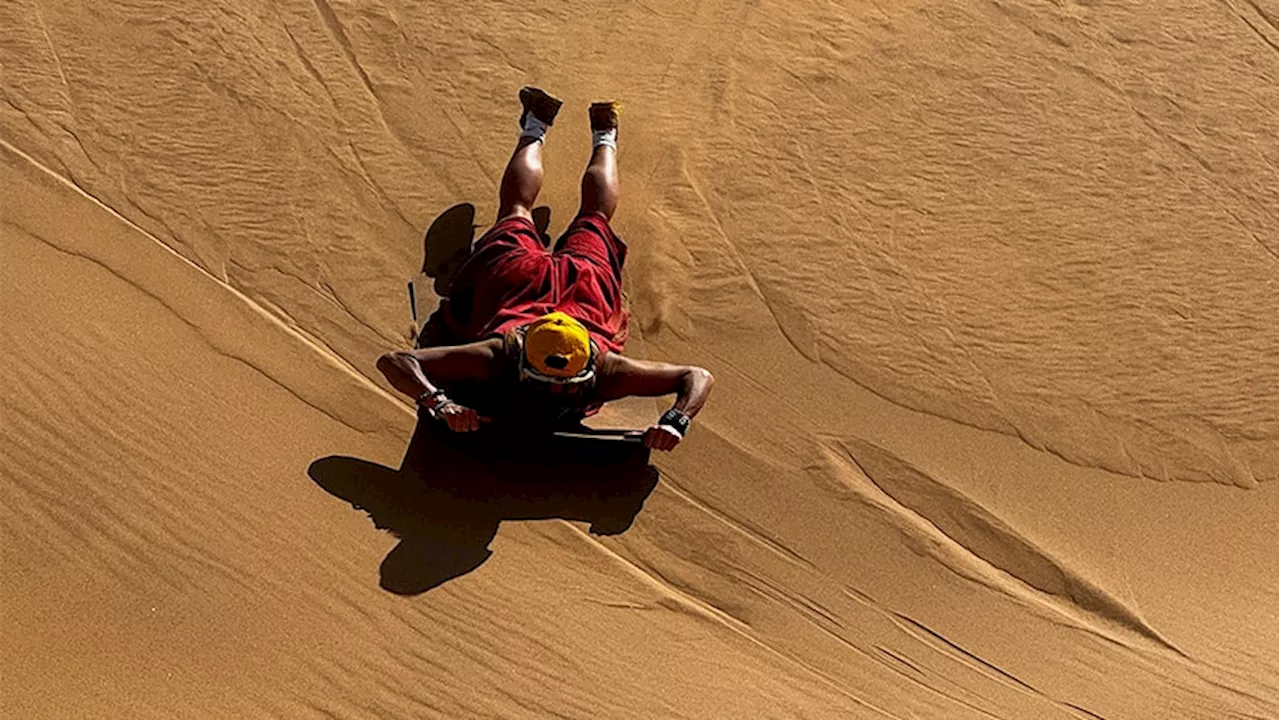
(580, 444)
(419, 314)
(603, 435)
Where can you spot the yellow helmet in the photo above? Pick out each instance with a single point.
(557, 346)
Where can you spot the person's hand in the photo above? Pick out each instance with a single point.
(459, 418)
(661, 437)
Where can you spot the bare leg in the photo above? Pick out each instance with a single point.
(521, 181)
(600, 182)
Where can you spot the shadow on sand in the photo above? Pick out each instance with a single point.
(446, 501)
(447, 242)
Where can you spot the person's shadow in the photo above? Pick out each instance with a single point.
(447, 242)
(446, 501)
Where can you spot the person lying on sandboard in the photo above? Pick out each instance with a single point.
(535, 337)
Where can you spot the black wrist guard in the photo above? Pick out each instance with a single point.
(675, 420)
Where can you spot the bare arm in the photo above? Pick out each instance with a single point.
(623, 377)
(412, 372)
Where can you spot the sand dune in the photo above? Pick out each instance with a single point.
(989, 293)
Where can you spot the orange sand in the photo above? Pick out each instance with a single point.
(989, 291)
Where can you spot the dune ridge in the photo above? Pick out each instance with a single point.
(975, 530)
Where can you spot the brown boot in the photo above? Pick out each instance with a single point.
(543, 106)
(604, 115)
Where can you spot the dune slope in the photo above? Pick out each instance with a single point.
(989, 293)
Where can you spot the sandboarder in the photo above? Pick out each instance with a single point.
(536, 335)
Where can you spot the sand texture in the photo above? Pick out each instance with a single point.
(989, 291)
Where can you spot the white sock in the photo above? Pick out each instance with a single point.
(605, 137)
(533, 128)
